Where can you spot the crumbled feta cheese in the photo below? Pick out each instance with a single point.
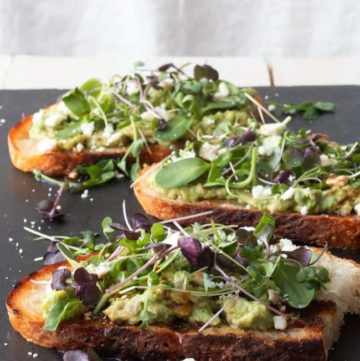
(248, 228)
(271, 107)
(222, 92)
(46, 144)
(85, 194)
(132, 87)
(167, 83)
(114, 138)
(208, 151)
(274, 296)
(326, 160)
(63, 109)
(172, 238)
(189, 359)
(280, 322)
(162, 112)
(187, 154)
(53, 120)
(159, 111)
(286, 245)
(304, 210)
(288, 194)
(87, 128)
(357, 209)
(274, 128)
(109, 129)
(79, 147)
(269, 145)
(260, 191)
(148, 115)
(38, 116)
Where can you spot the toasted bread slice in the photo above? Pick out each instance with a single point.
(24, 154)
(335, 231)
(307, 338)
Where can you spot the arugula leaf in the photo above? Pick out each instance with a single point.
(297, 294)
(309, 110)
(76, 101)
(181, 172)
(175, 129)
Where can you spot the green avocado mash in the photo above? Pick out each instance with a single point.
(247, 314)
(339, 200)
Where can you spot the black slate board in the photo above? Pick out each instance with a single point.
(19, 193)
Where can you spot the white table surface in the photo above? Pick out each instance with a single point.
(35, 72)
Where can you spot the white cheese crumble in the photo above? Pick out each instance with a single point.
(357, 209)
(38, 116)
(132, 87)
(79, 147)
(108, 130)
(222, 92)
(274, 296)
(46, 144)
(280, 322)
(304, 210)
(167, 83)
(271, 107)
(159, 111)
(184, 154)
(269, 145)
(208, 151)
(274, 128)
(87, 128)
(286, 245)
(53, 120)
(85, 194)
(260, 191)
(326, 160)
(288, 194)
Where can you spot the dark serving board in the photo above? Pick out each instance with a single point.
(19, 193)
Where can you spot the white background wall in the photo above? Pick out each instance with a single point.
(135, 28)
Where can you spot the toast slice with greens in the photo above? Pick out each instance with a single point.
(311, 185)
(136, 117)
(210, 292)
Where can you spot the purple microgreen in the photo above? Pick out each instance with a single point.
(161, 124)
(52, 255)
(85, 286)
(191, 249)
(59, 278)
(311, 157)
(302, 255)
(132, 235)
(158, 247)
(284, 177)
(206, 258)
(247, 136)
(140, 221)
(48, 209)
(79, 355)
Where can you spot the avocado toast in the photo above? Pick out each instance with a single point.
(308, 182)
(159, 291)
(134, 118)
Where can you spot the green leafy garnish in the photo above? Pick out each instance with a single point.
(182, 172)
(76, 101)
(309, 110)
